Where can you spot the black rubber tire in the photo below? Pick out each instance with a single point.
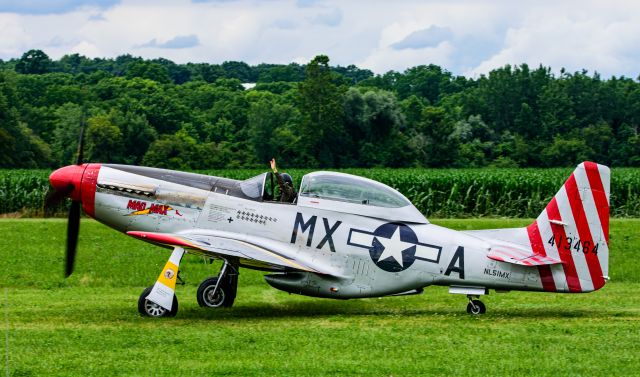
(225, 296)
(148, 308)
(479, 308)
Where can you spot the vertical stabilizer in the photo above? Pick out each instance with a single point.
(574, 228)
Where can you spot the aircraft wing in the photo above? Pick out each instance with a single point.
(249, 253)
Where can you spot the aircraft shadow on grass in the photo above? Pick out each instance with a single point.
(311, 310)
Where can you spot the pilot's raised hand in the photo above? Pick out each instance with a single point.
(273, 165)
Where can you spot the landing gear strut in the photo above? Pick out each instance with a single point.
(475, 306)
(160, 300)
(220, 291)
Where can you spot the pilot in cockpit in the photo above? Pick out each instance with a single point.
(285, 182)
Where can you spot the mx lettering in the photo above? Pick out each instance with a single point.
(302, 226)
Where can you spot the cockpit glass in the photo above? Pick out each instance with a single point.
(353, 190)
(252, 187)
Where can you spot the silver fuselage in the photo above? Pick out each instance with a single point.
(351, 244)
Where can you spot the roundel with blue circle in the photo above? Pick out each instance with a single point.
(394, 247)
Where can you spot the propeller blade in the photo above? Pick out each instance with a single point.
(81, 140)
(73, 228)
(73, 224)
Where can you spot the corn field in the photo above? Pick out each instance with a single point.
(435, 192)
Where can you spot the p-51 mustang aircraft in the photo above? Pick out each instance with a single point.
(343, 236)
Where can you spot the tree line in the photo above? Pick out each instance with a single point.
(200, 116)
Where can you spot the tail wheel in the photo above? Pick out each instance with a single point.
(210, 297)
(148, 308)
(476, 307)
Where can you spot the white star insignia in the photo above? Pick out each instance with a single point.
(393, 247)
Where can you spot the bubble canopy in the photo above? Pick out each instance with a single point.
(340, 192)
(347, 193)
(351, 189)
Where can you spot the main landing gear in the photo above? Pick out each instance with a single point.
(475, 306)
(160, 299)
(219, 291)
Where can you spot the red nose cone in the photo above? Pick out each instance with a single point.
(68, 179)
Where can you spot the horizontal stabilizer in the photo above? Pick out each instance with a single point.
(521, 257)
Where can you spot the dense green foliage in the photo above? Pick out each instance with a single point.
(435, 192)
(199, 116)
(88, 325)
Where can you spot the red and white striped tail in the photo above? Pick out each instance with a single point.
(574, 228)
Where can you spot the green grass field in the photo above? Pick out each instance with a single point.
(89, 324)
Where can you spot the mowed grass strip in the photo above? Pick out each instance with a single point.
(89, 325)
